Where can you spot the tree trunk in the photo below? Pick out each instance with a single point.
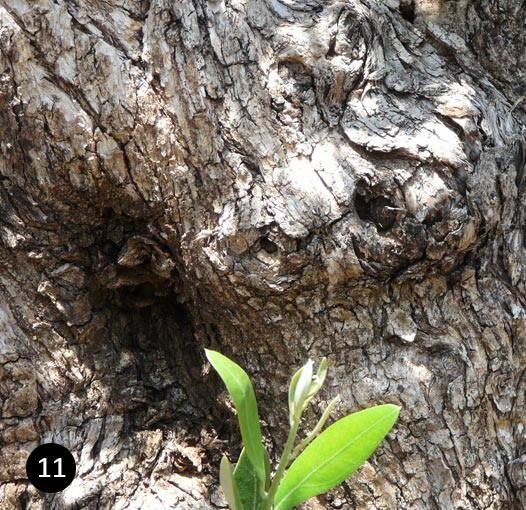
(278, 180)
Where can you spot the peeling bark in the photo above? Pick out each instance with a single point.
(277, 180)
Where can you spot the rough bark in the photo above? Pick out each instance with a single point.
(278, 180)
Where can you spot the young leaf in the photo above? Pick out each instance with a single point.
(316, 384)
(335, 454)
(248, 482)
(228, 484)
(240, 388)
(298, 382)
(292, 391)
(319, 379)
(302, 389)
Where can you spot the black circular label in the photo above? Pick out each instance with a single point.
(50, 467)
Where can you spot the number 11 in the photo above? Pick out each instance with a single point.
(45, 475)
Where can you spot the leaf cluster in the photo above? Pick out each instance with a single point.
(306, 468)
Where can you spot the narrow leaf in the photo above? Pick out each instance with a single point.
(317, 429)
(335, 454)
(292, 391)
(248, 482)
(240, 388)
(319, 379)
(302, 388)
(267, 471)
(228, 484)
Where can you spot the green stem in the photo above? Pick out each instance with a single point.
(283, 463)
(299, 448)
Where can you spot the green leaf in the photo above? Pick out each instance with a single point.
(248, 482)
(335, 454)
(319, 379)
(267, 471)
(302, 389)
(292, 391)
(229, 486)
(240, 388)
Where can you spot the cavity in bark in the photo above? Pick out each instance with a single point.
(379, 210)
(268, 246)
(407, 10)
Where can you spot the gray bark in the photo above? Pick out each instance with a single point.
(277, 180)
